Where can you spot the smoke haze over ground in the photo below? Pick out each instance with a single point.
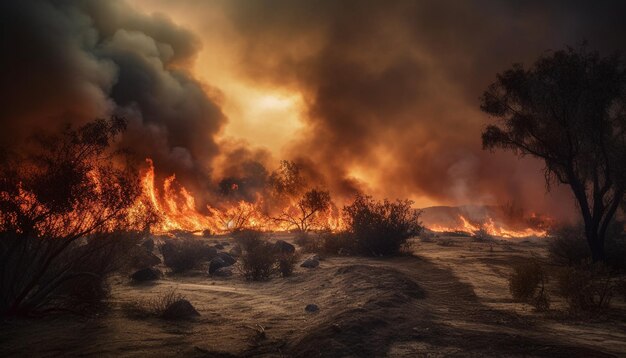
(367, 95)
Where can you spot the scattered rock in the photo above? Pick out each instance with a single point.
(181, 309)
(216, 264)
(223, 272)
(284, 247)
(311, 308)
(311, 262)
(219, 246)
(146, 274)
(229, 260)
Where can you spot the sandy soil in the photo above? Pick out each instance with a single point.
(449, 299)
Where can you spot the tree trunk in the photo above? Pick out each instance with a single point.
(596, 245)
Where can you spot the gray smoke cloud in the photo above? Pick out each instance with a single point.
(71, 61)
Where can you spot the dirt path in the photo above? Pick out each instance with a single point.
(448, 302)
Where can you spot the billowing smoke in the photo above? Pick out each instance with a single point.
(72, 61)
(390, 88)
(393, 87)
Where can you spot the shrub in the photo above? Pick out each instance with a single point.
(481, 235)
(587, 287)
(339, 243)
(569, 247)
(153, 307)
(184, 255)
(527, 284)
(427, 236)
(307, 242)
(286, 263)
(380, 228)
(258, 260)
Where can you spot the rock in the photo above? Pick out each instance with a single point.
(225, 243)
(311, 308)
(219, 246)
(181, 309)
(216, 264)
(146, 274)
(311, 262)
(229, 260)
(223, 272)
(284, 247)
(235, 251)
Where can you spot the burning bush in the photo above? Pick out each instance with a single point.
(60, 205)
(259, 257)
(527, 284)
(380, 228)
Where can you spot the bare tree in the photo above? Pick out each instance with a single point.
(568, 109)
(56, 201)
(305, 214)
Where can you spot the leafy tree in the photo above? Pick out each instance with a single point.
(568, 109)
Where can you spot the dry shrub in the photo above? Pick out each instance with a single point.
(427, 236)
(258, 260)
(286, 262)
(587, 287)
(338, 243)
(568, 246)
(527, 284)
(307, 242)
(152, 307)
(247, 237)
(380, 228)
(481, 235)
(184, 255)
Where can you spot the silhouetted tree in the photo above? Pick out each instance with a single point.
(305, 213)
(568, 109)
(56, 205)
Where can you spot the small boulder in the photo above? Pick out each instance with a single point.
(229, 260)
(311, 262)
(216, 264)
(219, 246)
(311, 308)
(180, 309)
(146, 274)
(284, 247)
(223, 272)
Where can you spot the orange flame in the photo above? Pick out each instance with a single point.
(491, 227)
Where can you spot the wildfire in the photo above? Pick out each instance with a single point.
(175, 208)
(491, 227)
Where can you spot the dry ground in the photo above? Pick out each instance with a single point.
(450, 299)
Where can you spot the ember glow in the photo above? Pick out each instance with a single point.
(491, 227)
(176, 209)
